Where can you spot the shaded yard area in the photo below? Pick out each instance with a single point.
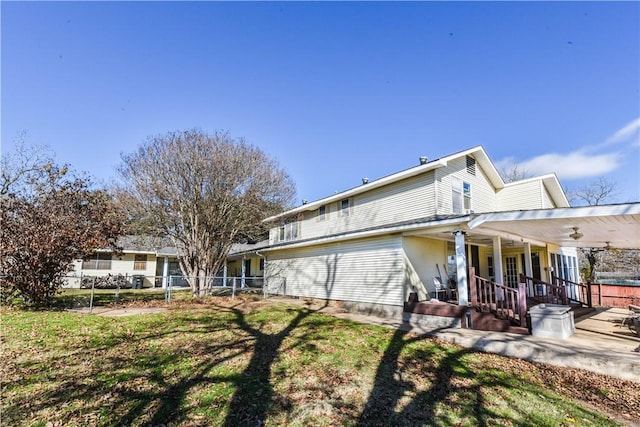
(254, 362)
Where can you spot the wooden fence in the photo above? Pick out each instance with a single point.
(614, 295)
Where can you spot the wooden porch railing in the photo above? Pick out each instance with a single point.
(545, 292)
(508, 303)
(578, 293)
(561, 291)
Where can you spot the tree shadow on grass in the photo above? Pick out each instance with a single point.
(397, 399)
(253, 394)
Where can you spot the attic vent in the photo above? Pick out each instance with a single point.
(365, 180)
(471, 165)
(423, 160)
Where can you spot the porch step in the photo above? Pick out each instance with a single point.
(486, 321)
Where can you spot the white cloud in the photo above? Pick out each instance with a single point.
(626, 133)
(585, 162)
(574, 165)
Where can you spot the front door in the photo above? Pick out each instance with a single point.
(511, 271)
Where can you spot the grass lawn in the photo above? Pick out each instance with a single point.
(249, 362)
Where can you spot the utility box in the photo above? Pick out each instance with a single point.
(137, 282)
(552, 321)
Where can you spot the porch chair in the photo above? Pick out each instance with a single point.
(440, 287)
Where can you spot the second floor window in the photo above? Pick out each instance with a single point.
(288, 231)
(461, 196)
(322, 213)
(345, 204)
(466, 194)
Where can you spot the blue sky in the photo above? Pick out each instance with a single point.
(335, 91)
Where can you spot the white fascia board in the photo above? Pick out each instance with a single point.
(558, 213)
(370, 233)
(361, 189)
(552, 184)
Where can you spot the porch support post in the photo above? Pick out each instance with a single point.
(497, 259)
(461, 269)
(243, 272)
(165, 272)
(528, 265)
(224, 273)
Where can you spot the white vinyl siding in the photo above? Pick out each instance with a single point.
(122, 264)
(409, 199)
(367, 270)
(427, 257)
(483, 198)
(521, 196)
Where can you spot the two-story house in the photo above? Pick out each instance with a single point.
(372, 245)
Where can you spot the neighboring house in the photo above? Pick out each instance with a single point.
(373, 245)
(152, 261)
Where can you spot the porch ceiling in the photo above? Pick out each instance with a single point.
(616, 225)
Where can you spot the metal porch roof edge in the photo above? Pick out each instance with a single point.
(557, 213)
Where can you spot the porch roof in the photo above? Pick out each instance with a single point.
(616, 226)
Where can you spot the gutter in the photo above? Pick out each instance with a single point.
(368, 233)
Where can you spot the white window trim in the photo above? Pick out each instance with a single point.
(325, 216)
(345, 212)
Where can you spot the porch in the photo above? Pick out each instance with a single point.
(496, 307)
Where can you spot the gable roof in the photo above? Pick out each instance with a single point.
(551, 183)
(481, 157)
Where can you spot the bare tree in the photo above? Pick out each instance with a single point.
(514, 173)
(595, 193)
(205, 192)
(49, 217)
(22, 166)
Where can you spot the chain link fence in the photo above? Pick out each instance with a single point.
(112, 290)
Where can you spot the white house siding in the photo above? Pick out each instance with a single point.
(483, 198)
(521, 196)
(119, 265)
(423, 255)
(409, 199)
(366, 270)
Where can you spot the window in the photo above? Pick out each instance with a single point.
(466, 192)
(261, 264)
(344, 207)
(471, 165)
(140, 262)
(288, 231)
(512, 271)
(322, 213)
(97, 261)
(461, 196)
